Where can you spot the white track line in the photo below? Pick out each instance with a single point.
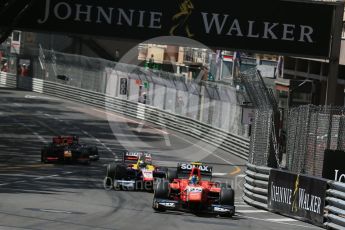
(183, 139)
(281, 223)
(131, 120)
(241, 175)
(83, 131)
(282, 220)
(44, 177)
(219, 174)
(55, 211)
(32, 131)
(252, 211)
(33, 178)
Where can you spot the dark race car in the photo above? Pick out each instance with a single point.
(190, 188)
(68, 149)
(134, 172)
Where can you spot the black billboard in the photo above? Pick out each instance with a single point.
(334, 166)
(297, 195)
(284, 27)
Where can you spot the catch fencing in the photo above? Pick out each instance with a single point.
(312, 130)
(264, 145)
(215, 104)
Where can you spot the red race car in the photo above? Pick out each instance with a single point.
(190, 188)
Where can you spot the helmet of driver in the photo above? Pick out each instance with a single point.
(142, 164)
(194, 180)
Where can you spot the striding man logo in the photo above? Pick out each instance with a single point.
(294, 195)
(181, 18)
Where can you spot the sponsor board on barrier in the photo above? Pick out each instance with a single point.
(274, 26)
(333, 165)
(297, 195)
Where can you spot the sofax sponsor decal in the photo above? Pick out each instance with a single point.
(333, 165)
(297, 195)
(202, 168)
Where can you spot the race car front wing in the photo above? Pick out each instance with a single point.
(177, 206)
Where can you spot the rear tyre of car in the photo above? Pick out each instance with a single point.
(115, 172)
(227, 197)
(110, 175)
(161, 191)
(111, 170)
(120, 172)
(171, 174)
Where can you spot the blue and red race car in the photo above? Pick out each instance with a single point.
(68, 149)
(134, 172)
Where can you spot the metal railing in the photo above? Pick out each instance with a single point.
(231, 143)
(216, 104)
(335, 206)
(264, 149)
(8, 80)
(256, 185)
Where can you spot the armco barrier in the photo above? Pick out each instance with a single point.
(231, 143)
(335, 206)
(8, 80)
(256, 186)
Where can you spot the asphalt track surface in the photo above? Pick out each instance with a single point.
(48, 196)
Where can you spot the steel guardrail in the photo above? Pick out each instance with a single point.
(231, 143)
(335, 206)
(8, 80)
(256, 186)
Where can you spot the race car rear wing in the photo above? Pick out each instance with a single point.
(65, 140)
(133, 157)
(184, 169)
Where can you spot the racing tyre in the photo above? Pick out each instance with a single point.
(111, 170)
(171, 174)
(110, 174)
(120, 172)
(162, 190)
(227, 196)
